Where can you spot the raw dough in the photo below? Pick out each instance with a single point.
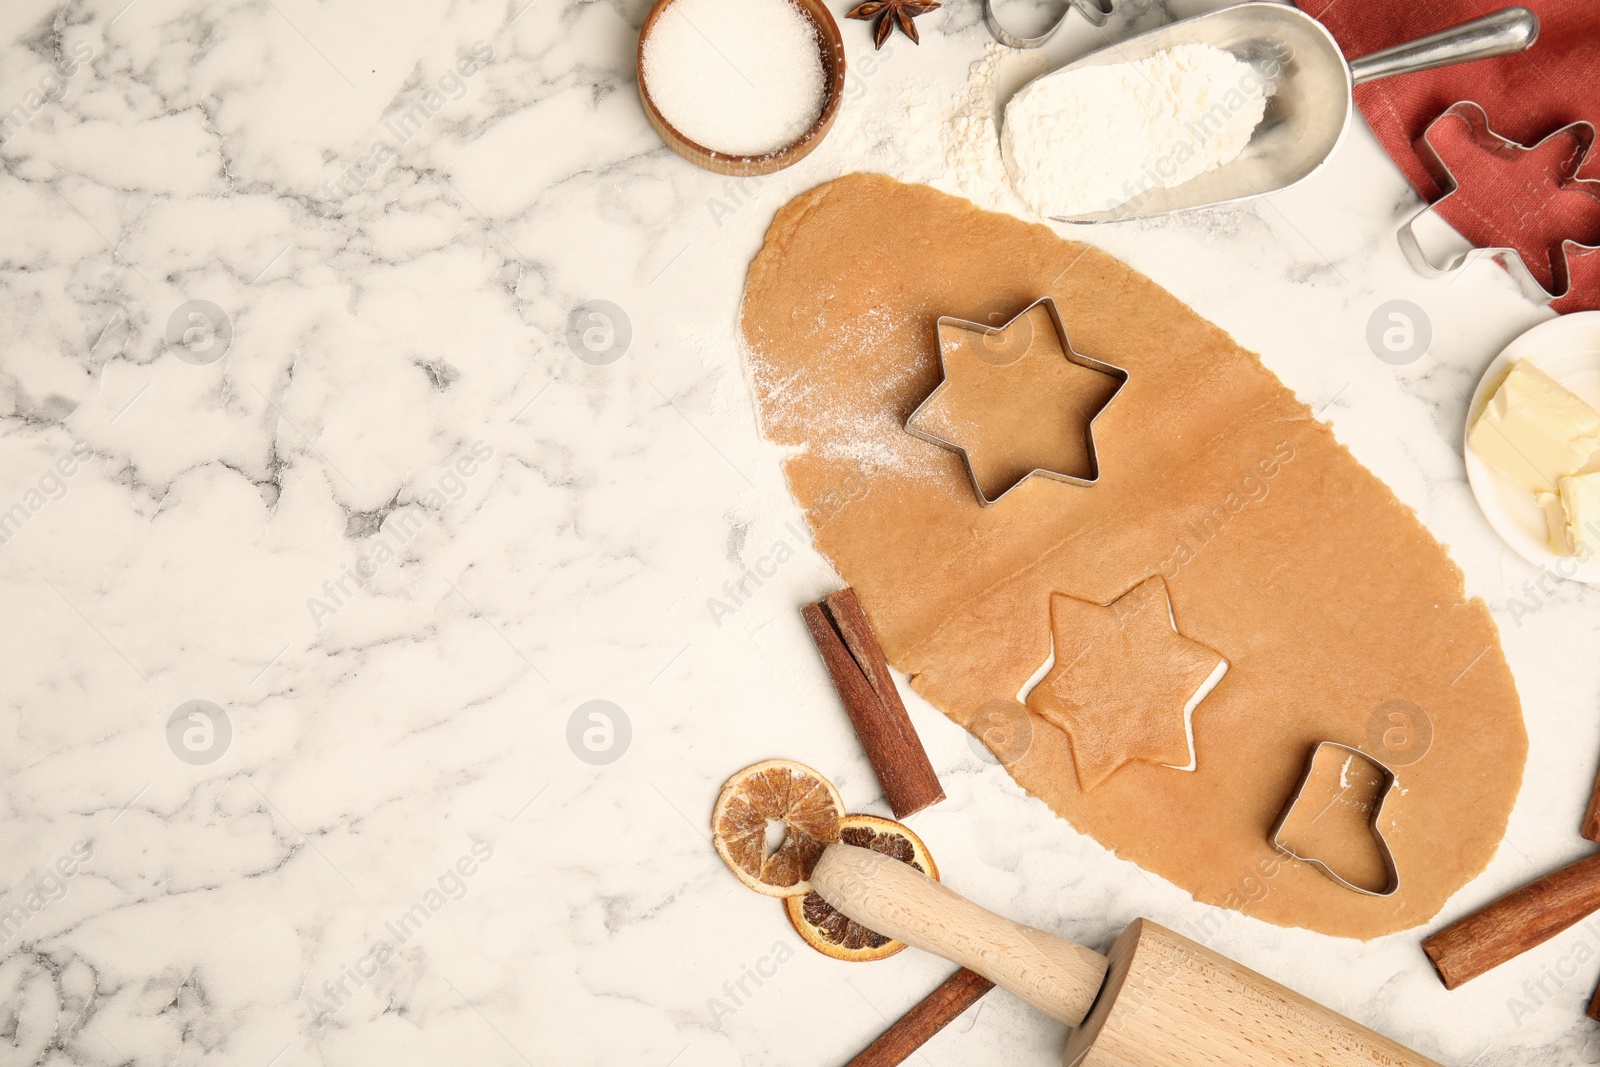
(1281, 552)
(1122, 677)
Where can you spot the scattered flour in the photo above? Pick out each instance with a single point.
(868, 436)
(741, 77)
(972, 160)
(943, 132)
(1095, 137)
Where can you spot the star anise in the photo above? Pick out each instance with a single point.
(895, 13)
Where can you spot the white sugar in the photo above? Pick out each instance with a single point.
(1089, 139)
(740, 77)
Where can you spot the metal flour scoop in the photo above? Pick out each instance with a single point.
(1308, 86)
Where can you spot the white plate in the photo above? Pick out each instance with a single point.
(1567, 349)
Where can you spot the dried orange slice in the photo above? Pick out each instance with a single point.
(831, 933)
(753, 802)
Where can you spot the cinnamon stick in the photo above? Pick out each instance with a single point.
(1591, 820)
(1594, 1006)
(861, 675)
(1515, 923)
(850, 619)
(936, 1011)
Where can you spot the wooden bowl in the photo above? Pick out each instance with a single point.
(829, 43)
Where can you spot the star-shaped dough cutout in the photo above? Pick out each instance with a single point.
(1125, 682)
(1016, 400)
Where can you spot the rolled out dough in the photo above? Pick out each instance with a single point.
(1324, 593)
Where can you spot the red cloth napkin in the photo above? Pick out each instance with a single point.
(1504, 200)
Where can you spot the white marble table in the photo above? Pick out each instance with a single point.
(374, 510)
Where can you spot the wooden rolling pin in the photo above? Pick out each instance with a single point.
(1159, 1000)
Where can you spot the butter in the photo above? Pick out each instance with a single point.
(1534, 430)
(1555, 517)
(1579, 497)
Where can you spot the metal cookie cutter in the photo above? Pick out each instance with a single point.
(1387, 786)
(1582, 137)
(1096, 11)
(1073, 356)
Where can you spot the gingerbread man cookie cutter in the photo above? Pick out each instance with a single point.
(1095, 11)
(1580, 134)
(1387, 783)
(1073, 356)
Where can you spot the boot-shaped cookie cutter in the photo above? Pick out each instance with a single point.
(1582, 137)
(1388, 782)
(1073, 356)
(1096, 11)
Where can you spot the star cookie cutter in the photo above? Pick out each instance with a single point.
(1387, 780)
(1581, 134)
(1073, 356)
(1095, 11)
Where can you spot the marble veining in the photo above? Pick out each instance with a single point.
(383, 614)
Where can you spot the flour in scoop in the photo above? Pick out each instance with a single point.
(740, 77)
(1089, 139)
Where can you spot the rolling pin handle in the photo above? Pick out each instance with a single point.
(1055, 975)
